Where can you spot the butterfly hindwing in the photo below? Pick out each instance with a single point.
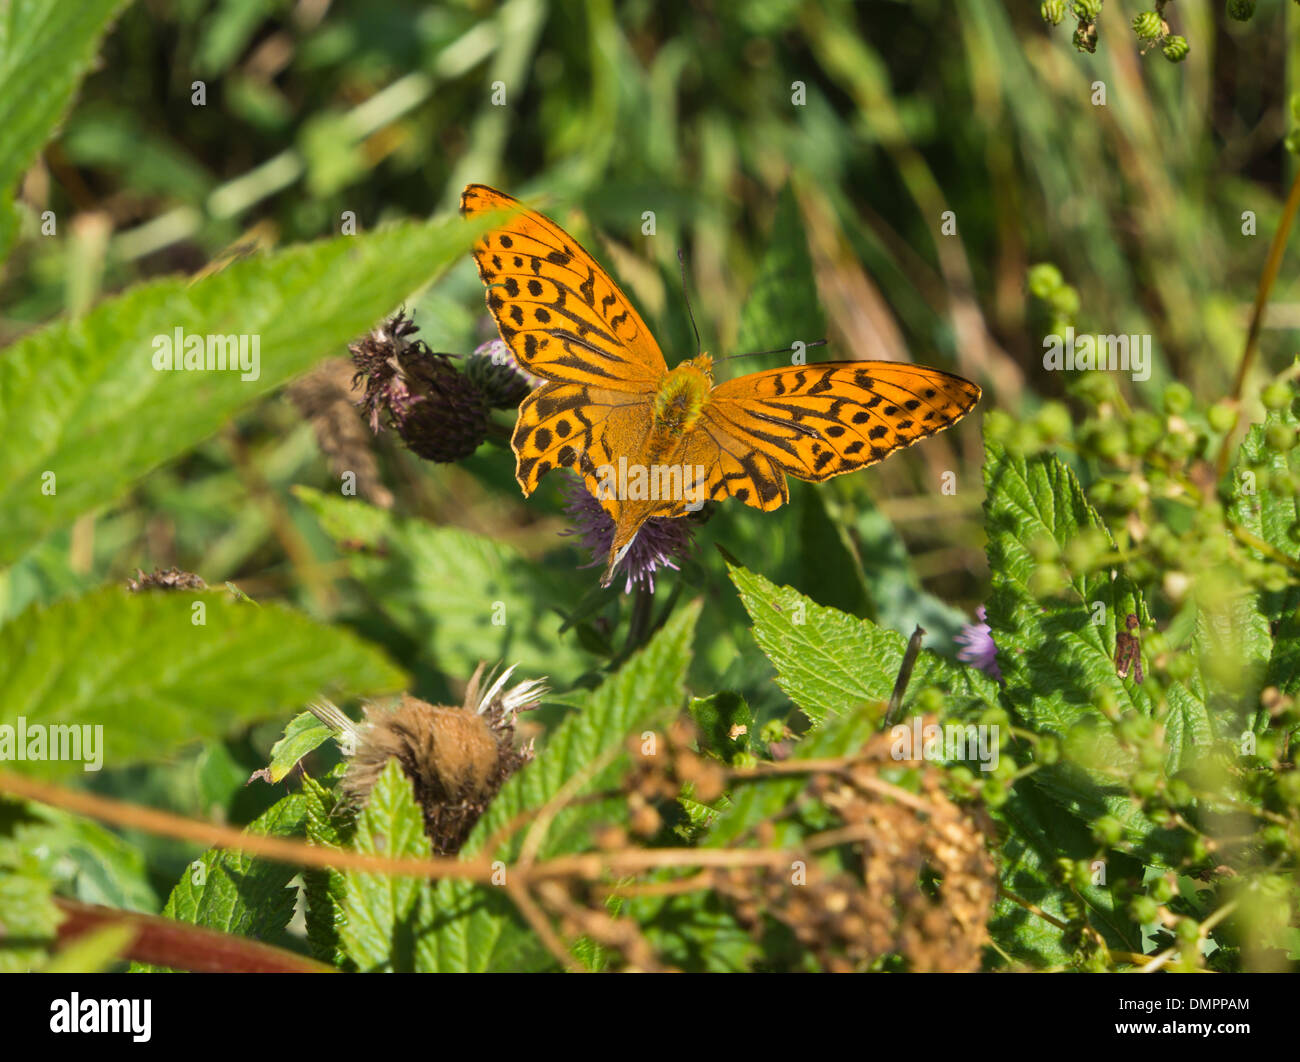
(565, 425)
(563, 317)
(735, 468)
(818, 421)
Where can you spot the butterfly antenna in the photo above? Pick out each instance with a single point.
(778, 350)
(681, 261)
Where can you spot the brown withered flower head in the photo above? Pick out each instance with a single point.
(456, 757)
(165, 579)
(440, 414)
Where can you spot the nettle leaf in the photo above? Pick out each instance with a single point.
(379, 932)
(464, 597)
(1038, 833)
(469, 927)
(831, 664)
(1272, 513)
(324, 888)
(238, 893)
(29, 917)
(45, 50)
(77, 390)
(304, 733)
(1260, 507)
(91, 863)
(1054, 658)
(137, 665)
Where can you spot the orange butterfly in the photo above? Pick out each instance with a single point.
(653, 441)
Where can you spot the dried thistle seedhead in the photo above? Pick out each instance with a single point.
(456, 757)
(165, 579)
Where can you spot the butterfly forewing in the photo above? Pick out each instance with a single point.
(560, 313)
(818, 421)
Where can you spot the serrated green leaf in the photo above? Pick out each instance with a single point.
(304, 733)
(324, 887)
(45, 50)
(380, 931)
(464, 597)
(1274, 516)
(238, 893)
(1054, 658)
(29, 917)
(469, 927)
(77, 390)
(831, 664)
(136, 665)
(1038, 833)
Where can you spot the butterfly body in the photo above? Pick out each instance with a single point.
(679, 400)
(650, 441)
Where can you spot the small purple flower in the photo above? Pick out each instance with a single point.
(978, 646)
(659, 542)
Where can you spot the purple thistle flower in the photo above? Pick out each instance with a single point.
(659, 542)
(978, 646)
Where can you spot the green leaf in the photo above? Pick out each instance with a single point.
(1261, 508)
(29, 917)
(1038, 832)
(1054, 658)
(139, 668)
(725, 722)
(831, 664)
(77, 390)
(304, 733)
(379, 932)
(325, 887)
(461, 596)
(45, 50)
(93, 952)
(90, 863)
(1272, 514)
(238, 893)
(470, 927)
